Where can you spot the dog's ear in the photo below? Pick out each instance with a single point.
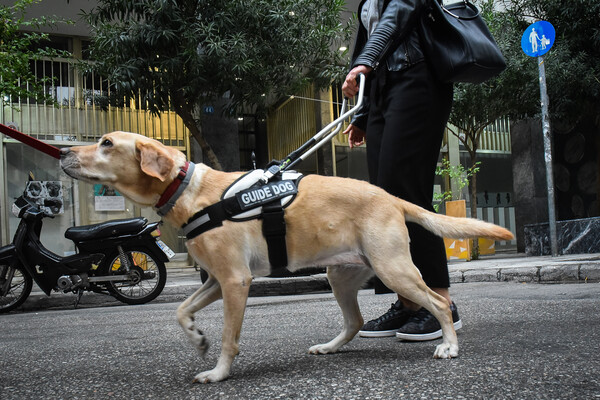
(155, 160)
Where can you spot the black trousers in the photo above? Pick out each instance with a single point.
(408, 113)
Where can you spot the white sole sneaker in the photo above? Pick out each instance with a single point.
(422, 337)
(377, 334)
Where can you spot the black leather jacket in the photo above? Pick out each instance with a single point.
(395, 40)
(394, 43)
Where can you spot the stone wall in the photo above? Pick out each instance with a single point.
(577, 169)
(576, 164)
(578, 236)
(529, 176)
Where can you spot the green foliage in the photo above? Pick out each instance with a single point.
(572, 67)
(21, 43)
(513, 93)
(186, 53)
(458, 176)
(573, 63)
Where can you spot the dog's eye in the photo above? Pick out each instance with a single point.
(106, 143)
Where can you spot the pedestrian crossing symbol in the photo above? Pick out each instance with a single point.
(538, 38)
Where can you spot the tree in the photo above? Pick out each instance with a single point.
(573, 63)
(572, 70)
(477, 106)
(573, 85)
(459, 178)
(20, 44)
(182, 54)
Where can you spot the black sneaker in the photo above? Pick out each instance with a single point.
(389, 323)
(424, 326)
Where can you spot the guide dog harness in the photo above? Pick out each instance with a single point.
(250, 197)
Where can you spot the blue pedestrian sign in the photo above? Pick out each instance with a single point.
(538, 38)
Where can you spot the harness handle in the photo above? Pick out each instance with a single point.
(318, 140)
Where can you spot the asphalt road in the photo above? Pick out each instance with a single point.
(519, 341)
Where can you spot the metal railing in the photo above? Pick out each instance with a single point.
(294, 121)
(291, 124)
(496, 137)
(502, 216)
(87, 109)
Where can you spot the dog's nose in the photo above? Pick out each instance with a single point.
(64, 151)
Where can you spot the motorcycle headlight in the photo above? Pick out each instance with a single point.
(19, 207)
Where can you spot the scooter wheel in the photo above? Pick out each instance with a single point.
(14, 292)
(145, 279)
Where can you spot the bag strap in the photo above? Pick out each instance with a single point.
(467, 4)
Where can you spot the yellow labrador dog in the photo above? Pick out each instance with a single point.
(331, 221)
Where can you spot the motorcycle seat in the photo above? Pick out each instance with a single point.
(106, 229)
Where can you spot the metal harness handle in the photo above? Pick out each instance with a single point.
(318, 140)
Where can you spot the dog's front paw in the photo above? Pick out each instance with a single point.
(214, 375)
(446, 350)
(322, 349)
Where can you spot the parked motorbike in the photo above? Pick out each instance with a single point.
(124, 258)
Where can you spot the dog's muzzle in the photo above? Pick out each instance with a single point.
(69, 162)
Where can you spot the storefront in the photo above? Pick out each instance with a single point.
(77, 122)
(82, 203)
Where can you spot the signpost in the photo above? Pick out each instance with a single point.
(536, 41)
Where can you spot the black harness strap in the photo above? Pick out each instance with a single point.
(209, 218)
(274, 232)
(273, 225)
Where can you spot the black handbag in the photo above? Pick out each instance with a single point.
(458, 44)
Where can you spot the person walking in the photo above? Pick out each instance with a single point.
(402, 120)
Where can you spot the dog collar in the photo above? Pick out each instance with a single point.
(175, 189)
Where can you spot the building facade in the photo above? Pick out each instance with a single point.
(88, 110)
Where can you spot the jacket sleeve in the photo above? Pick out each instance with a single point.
(362, 115)
(397, 20)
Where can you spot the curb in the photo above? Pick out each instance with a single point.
(289, 286)
(183, 282)
(548, 271)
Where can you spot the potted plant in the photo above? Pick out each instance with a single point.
(457, 178)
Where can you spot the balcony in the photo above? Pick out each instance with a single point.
(87, 109)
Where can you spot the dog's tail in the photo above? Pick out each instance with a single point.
(453, 227)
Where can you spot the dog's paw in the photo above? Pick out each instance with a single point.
(446, 350)
(214, 375)
(321, 349)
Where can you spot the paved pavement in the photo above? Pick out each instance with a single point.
(518, 342)
(502, 267)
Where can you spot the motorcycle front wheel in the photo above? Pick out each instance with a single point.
(145, 279)
(15, 286)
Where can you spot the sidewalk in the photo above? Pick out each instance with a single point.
(520, 268)
(503, 267)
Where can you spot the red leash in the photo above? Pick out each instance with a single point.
(31, 141)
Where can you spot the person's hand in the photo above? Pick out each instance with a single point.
(350, 86)
(356, 136)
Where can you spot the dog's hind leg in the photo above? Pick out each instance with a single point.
(208, 293)
(439, 307)
(235, 289)
(404, 278)
(393, 265)
(345, 282)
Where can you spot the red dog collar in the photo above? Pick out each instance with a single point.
(173, 191)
